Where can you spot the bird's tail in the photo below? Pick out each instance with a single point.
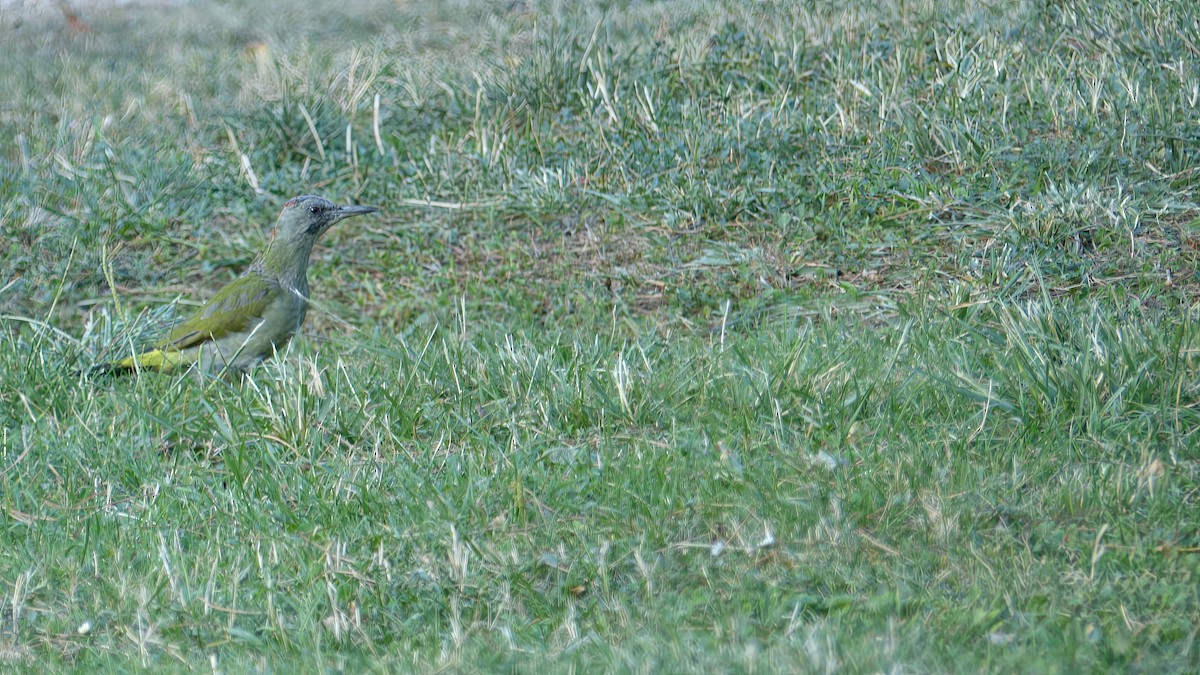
(157, 359)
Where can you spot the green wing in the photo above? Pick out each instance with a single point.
(232, 310)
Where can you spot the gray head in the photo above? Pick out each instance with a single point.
(300, 223)
(309, 216)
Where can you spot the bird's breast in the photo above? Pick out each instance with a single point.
(280, 320)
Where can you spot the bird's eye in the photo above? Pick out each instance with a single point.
(314, 209)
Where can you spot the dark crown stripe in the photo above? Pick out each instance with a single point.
(296, 200)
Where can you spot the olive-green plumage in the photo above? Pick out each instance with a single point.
(257, 313)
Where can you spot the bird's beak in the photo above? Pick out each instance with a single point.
(347, 211)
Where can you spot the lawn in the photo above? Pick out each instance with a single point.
(692, 336)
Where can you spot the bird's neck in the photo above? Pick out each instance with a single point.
(287, 262)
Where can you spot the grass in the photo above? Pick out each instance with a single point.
(690, 338)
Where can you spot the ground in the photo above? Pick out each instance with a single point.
(691, 336)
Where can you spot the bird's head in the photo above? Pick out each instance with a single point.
(309, 216)
(302, 220)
